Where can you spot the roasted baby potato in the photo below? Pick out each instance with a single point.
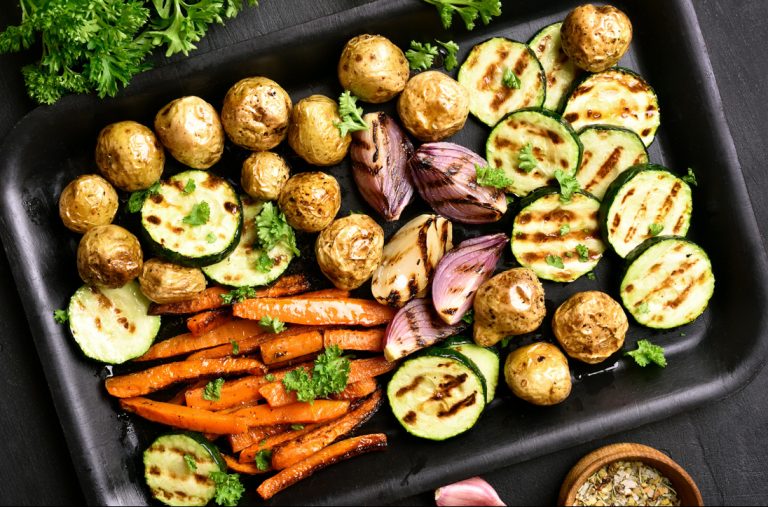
(511, 303)
(596, 37)
(349, 250)
(264, 174)
(165, 282)
(590, 326)
(109, 256)
(310, 201)
(190, 129)
(129, 155)
(373, 68)
(313, 134)
(433, 106)
(256, 113)
(86, 202)
(538, 373)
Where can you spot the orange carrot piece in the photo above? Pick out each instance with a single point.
(244, 346)
(208, 321)
(158, 377)
(242, 468)
(288, 285)
(306, 445)
(249, 454)
(326, 457)
(316, 311)
(277, 395)
(355, 339)
(357, 390)
(297, 413)
(187, 418)
(284, 348)
(256, 434)
(208, 299)
(326, 294)
(235, 330)
(233, 394)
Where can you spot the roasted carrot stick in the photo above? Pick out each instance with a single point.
(233, 393)
(355, 339)
(208, 321)
(276, 395)
(158, 377)
(283, 348)
(208, 299)
(239, 441)
(357, 390)
(248, 345)
(326, 294)
(242, 468)
(187, 418)
(235, 330)
(316, 311)
(328, 456)
(308, 444)
(301, 413)
(249, 453)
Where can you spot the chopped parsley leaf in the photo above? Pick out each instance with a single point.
(200, 214)
(647, 353)
(190, 461)
(492, 177)
(263, 459)
(61, 316)
(555, 261)
(583, 252)
(511, 80)
(526, 160)
(655, 229)
(238, 295)
(273, 325)
(212, 390)
(351, 115)
(189, 187)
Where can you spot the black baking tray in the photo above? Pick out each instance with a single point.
(709, 359)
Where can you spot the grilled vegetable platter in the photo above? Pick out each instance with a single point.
(258, 324)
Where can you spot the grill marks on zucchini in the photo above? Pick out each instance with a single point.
(482, 75)
(560, 71)
(668, 283)
(608, 151)
(615, 97)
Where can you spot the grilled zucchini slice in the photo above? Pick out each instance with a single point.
(643, 202)
(558, 241)
(482, 74)
(617, 97)
(608, 151)
(560, 71)
(486, 360)
(176, 225)
(668, 282)
(553, 144)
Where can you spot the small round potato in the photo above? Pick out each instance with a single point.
(191, 130)
(511, 303)
(86, 202)
(350, 250)
(264, 174)
(165, 282)
(538, 373)
(310, 201)
(256, 113)
(373, 68)
(433, 106)
(313, 134)
(109, 256)
(596, 37)
(129, 155)
(590, 326)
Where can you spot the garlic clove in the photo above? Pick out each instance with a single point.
(472, 491)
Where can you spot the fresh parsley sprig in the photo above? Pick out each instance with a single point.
(329, 376)
(351, 115)
(690, 178)
(510, 79)
(421, 56)
(229, 489)
(274, 325)
(451, 51)
(555, 261)
(526, 160)
(263, 459)
(212, 390)
(492, 177)
(136, 200)
(468, 11)
(238, 295)
(647, 353)
(568, 185)
(199, 215)
(272, 228)
(61, 316)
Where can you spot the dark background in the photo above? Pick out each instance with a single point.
(723, 445)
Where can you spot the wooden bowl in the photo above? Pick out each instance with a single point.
(687, 491)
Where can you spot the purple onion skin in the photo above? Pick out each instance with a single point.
(446, 177)
(414, 327)
(461, 271)
(380, 165)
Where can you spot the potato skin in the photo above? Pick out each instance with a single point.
(433, 106)
(596, 37)
(538, 373)
(164, 282)
(190, 129)
(129, 155)
(109, 256)
(510, 303)
(313, 134)
(350, 250)
(310, 201)
(256, 113)
(590, 326)
(86, 202)
(373, 68)
(264, 174)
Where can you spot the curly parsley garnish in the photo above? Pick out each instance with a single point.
(273, 325)
(200, 214)
(229, 489)
(61, 316)
(568, 185)
(329, 376)
(238, 295)
(351, 115)
(555, 261)
(272, 228)
(647, 353)
(492, 177)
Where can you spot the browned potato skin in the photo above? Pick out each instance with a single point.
(310, 201)
(313, 134)
(510, 303)
(86, 202)
(165, 282)
(191, 130)
(372, 68)
(264, 175)
(129, 155)
(538, 373)
(350, 250)
(596, 37)
(109, 256)
(256, 113)
(433, 106)
(590, 326)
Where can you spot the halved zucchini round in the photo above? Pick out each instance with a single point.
(560, 70)
(487, 361)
